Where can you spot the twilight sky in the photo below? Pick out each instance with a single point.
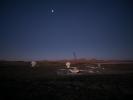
(101, 29)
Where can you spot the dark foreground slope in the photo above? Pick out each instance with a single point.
(19, 81)
(92, 87)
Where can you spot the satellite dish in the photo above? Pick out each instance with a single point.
(68, 64)
(33, 63)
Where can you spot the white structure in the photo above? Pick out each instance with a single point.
(74, 70)
(68, 64)
(33, 63)
(69, 70)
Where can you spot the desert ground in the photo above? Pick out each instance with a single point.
(18, 80)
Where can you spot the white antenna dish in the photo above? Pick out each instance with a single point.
(33, 63)
(68, 64)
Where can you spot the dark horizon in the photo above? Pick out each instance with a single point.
(54, 29)
(79, 59)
